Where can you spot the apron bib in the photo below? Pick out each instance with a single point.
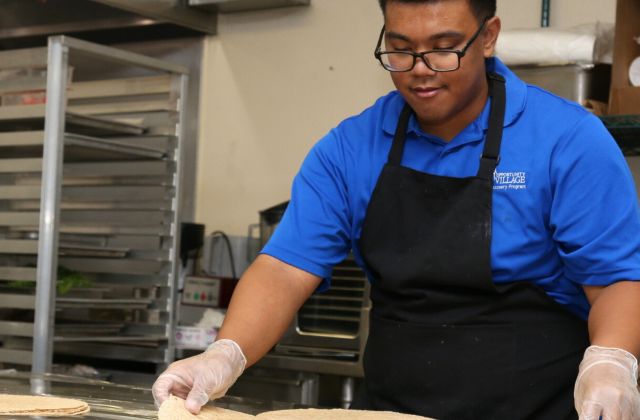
(445, 341)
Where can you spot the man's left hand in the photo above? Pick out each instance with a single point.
(607, 385)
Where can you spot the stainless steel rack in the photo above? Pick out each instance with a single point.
(89, 183)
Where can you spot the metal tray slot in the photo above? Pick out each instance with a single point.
(15, 301)
(18, 246)
(120, 266)
(20, 329)
(19, 218)
(18, 273)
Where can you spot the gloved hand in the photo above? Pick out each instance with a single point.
(203, 377)
(607, 385)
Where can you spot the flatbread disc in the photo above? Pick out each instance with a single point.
(173, 409)
(31, 405)
(335, 414)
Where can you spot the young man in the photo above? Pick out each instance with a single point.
(498, 225)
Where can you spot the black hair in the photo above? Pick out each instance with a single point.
(481, 8)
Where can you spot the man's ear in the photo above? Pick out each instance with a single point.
(491, 32)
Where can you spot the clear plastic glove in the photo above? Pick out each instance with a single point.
(607, 385)
(203, 377)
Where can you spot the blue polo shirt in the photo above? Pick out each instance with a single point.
(565, 212)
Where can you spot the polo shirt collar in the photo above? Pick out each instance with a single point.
(516, 99)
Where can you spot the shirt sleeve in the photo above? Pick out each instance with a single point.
(313, 234)
(594, 214)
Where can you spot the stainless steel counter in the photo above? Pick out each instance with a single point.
(108, 400)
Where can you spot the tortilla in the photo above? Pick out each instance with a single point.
(173, 409)
(31, 405)
(335, 414)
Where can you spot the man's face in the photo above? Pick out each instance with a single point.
(440, 99)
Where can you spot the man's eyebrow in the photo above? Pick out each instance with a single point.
(434, 37)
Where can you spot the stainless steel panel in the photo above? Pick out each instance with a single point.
(572, 81)
(165, 144)
(82, 124)
(144, 329)
(13, 192)
(21, 329)
(228, 6)
(113, 193)
(18, 246)
(18, 273)
(19, 357)
(102, 303)
(20, 165)
(17, 301)
(99, 149)
(19, 218)
(120, 339)
(114, 218)
(116, 169)
(22, 112)
(171, 11)
(27, 57)
(123, 107)
(124, 230)
(311, 364)
(95, 265)
(79, 124)
(115, 241)
(140, 280)
(120, 87)
(115, 55)
(112, 351)
(21, 138)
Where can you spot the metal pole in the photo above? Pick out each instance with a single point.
(50, 205)
(546, 5)
(180, 86)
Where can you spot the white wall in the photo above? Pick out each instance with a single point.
(275, 81)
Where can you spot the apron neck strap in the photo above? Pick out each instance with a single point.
(397, 147)
(491, 152)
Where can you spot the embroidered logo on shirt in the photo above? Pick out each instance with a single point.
(509, 180)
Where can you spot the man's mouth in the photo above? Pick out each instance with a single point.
(426, 91)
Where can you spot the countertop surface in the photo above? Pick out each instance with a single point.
(108, 400)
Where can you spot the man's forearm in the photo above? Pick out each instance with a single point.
(614, 320)
(263, 305)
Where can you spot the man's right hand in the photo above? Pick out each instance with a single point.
(203, 377)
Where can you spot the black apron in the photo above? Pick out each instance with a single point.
(445, 341)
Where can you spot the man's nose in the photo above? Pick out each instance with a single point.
(422, 68)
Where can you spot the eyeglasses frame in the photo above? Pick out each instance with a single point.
(378, 53)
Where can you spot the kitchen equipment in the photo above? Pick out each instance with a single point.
(576, 82)
(212, 292)
(228, 255)
(191, 240)
(269, 220)
(103, 160)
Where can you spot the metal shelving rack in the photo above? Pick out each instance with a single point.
(89, 182)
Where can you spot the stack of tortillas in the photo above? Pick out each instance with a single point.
(30, 405)
(173, 409)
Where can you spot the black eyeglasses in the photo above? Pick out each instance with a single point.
(436, 60)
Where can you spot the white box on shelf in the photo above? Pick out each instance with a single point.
(194, 338)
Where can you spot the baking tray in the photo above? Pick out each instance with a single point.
(31, 117)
